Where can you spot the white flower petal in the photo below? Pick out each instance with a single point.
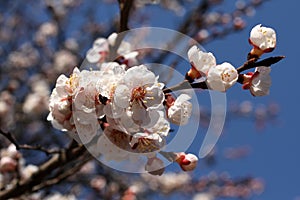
(93, 56)
(140, 115)
(122, 96)
(112, 39)
(263, 37)
(154, 97)
(139, 76)
(101, 44)
(113, 111)
(260, 85)
(181, 111)
(222, 77)
(202, 61)
(109, 150)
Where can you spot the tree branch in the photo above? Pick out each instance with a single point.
(11, 138)
(186, 85)
(55, 162)
(189, 84)
(252, 63)
(65, 174)
(125, 7)
(184, 28)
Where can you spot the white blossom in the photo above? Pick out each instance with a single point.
(263, 38)
(7, 164)
(140, 3)
(28, 171)
(72, 104)
(99, 51)
(201, 61)
(84, 108)
(63, 59)
(259, 82)
(111, 75)
(180, 112)
(59, 196)
(12, 151)
(60, 110)
(222, 77)
(203, 196)
(113, 145)
(141, 91)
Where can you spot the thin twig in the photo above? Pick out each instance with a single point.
(186, 85)
(266, 62)
(13, 140)
(125, 8)
(39, 148)
(10, 137)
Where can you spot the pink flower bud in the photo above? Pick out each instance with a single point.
(7, 164)
(187, 162)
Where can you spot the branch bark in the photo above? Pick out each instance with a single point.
(266, 62)
(125, 7)
(55, 162)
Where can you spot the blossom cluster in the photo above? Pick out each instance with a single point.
(121, 107)
(12, 164)
(221, 77)
(127, 101)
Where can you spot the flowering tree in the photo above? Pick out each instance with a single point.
(116, 106)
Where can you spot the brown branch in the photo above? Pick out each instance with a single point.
(13, 140)
(252, 63)
(10, 137)
(65, 174)
(125, 7)
(186, 85)
(45, 169)
(39, 148)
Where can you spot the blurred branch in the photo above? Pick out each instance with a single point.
(45, 169)
(11, 138)
(58, 178)
(184, 28)
(125, 7)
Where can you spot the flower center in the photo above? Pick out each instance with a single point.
(138, 94)
(227, 75)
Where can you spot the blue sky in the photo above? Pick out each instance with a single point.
(275, 150)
